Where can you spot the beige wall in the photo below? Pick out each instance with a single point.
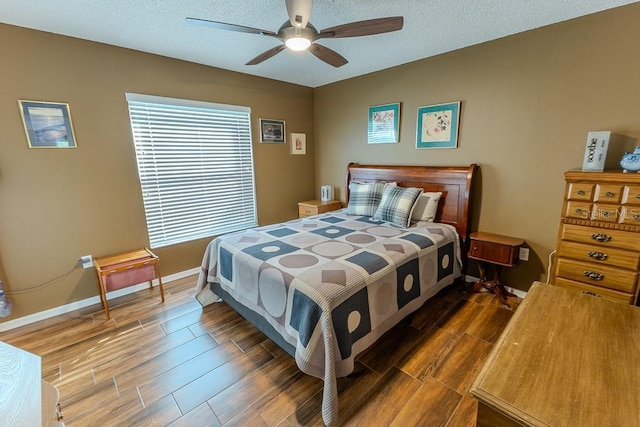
(528, 102)
(56, 205)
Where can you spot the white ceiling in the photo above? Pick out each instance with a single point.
(431, 27)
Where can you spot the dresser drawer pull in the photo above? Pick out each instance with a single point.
(593, 275)
(600, 256)
(638, 196)
(606, 214)
(593, 294)
(581, 193)
(635, 216)
(609, 194)
(601, 237)
(579, 211)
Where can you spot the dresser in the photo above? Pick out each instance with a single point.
(599, 239)
(565, 359)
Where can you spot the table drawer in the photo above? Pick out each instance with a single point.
(304, 211)
(604, 293)
(630, 215)
(598, 255)
(598, 275)
(601, 237)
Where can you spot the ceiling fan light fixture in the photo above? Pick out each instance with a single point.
(297, 43)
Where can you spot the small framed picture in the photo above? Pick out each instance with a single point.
(438, 126)
(384, 124)
(47, 124)
(272, 131)
(298, 143)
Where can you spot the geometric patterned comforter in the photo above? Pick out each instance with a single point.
(331, 284)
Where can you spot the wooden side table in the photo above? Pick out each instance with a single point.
(499, 251)
(566, 358)
(315, 207)
(126, 269)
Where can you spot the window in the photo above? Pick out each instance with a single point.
(195, 164)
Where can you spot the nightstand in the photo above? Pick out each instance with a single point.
(315, 207)
(499, 251)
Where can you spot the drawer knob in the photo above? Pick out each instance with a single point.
(635, 216)
(600, 256)
(638, 196)
(600, 237)
(578, 211)
(581, 193)
(606, 214)
(593, 275)
(593, 294)
(609, 194)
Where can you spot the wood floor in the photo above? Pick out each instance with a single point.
(179, 364)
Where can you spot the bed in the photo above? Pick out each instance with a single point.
(326, 287)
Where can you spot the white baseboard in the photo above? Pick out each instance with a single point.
(76, 305)
(517, 292)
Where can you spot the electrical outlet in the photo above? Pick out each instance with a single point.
(524, 254)
(87, 261)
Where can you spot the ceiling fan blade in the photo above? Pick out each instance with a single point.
(299, 11)
(266, 55)
(230, 27)
(327, 55)
(364, 28)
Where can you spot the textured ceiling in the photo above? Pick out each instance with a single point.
(431, 27)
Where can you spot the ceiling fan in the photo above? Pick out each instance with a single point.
(298, 34)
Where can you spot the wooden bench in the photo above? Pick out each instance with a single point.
(126, 269)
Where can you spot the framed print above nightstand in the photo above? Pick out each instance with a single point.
(438, 126)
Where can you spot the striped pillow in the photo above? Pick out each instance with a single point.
(396, 205)
(364, 198)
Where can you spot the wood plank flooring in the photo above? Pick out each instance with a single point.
(178, 364)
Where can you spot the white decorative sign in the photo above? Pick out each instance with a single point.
(596, 151)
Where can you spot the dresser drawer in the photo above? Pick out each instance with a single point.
(608, 193)
(606, 213)
(578, 210)
(580, 191)
(630, 215)
(601, 237)
(631, 195)
(597, 275)
(598, 255)
(603, 293)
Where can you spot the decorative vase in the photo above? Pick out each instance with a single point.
(630, 162)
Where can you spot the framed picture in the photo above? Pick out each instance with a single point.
(298, 143)
(47, 124)
(438, 126)
(384, 124)
(272, 131)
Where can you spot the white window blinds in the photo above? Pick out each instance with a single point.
(195, 164)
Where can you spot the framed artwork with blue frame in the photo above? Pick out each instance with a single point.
(384, 124)
(438, 126)
(47, 124)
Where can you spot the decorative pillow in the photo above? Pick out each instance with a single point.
(426, 207)
(364, 198)
(396, 205)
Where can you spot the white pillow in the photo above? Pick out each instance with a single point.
(426, 207)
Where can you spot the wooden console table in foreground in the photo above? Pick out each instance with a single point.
(126, 269)
(565, 359)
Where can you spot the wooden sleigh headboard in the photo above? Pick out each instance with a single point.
(455, 183)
